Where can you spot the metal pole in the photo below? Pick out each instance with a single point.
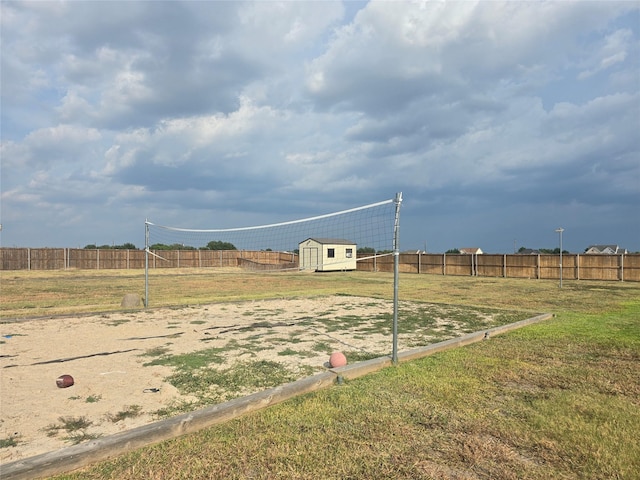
(146, 263)
(560, 230)
(396, 277)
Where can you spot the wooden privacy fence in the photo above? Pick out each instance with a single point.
(574, 266)
(99, 259)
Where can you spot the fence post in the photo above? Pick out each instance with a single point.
(504, 266)
(444, 264)
(29, 259)
(622, 267)
(577, 266)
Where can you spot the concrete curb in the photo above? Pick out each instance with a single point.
(78, 456)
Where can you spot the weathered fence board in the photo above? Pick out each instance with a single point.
(540, 266)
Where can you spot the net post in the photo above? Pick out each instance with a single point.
(146, 263)
(396, 276)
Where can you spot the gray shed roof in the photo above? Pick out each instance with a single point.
(332, 241)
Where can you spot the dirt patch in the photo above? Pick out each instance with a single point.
(106, 354)
(118, 387)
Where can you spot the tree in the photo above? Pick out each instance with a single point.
(159, 246)
(366, 250)
(453, 250)
(124, 246)
(552, 251)
(220, 245)
(173, 246)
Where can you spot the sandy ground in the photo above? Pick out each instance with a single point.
(105, 355)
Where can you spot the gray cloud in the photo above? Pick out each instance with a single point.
(496, 119)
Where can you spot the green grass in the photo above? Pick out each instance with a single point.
(38, 293)
(131, 411)
(209, 385)
(11, 441)
(76, 429)
(554, 400)
(202, 375)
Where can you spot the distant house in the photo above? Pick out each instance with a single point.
(471, 251)
(605, 250)
(327, 254)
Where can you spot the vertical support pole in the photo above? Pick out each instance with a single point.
(504, 266)
(29, 259)
(560, 259)
(622, 267)
(396, 276)
(559, 231)
(146, 263)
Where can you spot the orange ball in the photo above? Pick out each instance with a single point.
(337, 359)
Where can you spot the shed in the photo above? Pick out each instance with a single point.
(327, 254)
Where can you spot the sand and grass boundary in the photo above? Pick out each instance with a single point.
(81, 455)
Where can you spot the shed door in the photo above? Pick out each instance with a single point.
(310, 258)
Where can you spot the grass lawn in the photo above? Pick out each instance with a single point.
(553, 400)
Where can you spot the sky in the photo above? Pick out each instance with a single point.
(498, 121)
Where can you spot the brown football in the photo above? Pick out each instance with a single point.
(64, 381)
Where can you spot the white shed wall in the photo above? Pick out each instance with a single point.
(315, 255)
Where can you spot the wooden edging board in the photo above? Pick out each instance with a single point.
(78, 456)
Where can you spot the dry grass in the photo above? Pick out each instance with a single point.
(43, 293)
(554, 400)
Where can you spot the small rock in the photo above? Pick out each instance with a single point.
(131, 300)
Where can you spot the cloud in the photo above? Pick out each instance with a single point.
(613, 51)
(121, 110)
